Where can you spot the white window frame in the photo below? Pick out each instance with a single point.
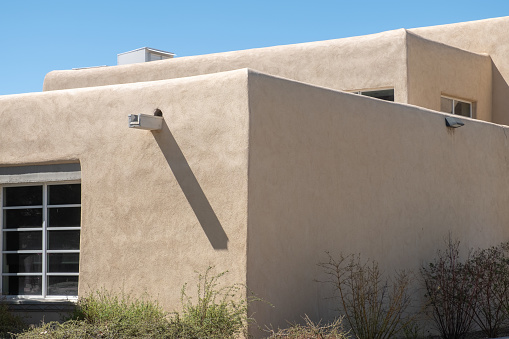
(44, 251)
(454, 100)
(363, 91)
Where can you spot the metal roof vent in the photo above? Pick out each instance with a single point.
(143, 54)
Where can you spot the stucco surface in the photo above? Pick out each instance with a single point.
(331, 171)
(156, 206)
(451, 59)
(259, 175)
(366, 62)
(435, 69)
(483, 36)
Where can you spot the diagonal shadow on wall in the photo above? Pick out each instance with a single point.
(191, 188)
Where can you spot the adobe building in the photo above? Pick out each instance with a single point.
(265, 159)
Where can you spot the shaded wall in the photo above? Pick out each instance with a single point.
(483, 36)
(331, 171)
(156, 207)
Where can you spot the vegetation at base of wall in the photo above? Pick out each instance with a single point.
(121, 313)
(490, 270)
(103, 314)
(333, 330)
(9, 323)
(473, 292)
(374, 307)
(462, 296)
(450, 292)
(216, 312)
(82, 329)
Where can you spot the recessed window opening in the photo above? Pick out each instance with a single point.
(41, 240)
(456, 106)
(40, 225)
(383, 94)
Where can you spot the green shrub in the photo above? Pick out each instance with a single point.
(69, 329)
(217, 312)
(9, 323)
(121, 313)
(81, 329)
(103, 314)
(333, 330)
(104, 306)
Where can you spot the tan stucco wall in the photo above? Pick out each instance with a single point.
(366, 62)
(331, 171)
(283, 170)
(484, 36)
(156, 207)
(357, 63)
(435, 69)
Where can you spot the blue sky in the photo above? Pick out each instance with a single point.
(39, 36)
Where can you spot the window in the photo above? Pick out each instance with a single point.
(455, 106)
(384, 94)
(41, 226)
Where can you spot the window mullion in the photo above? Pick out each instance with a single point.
(2, 238)
(36, 284)
(44, 239)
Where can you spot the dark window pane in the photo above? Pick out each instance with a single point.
(446, 105)
(63, 285)
(64, 217)
(22, 285)
(26, 217)
(63, 262)
(14, 241)
(384, 94)
(462, 108)
(22, 196)
(64, 240)
(22, 263)
(64, 194)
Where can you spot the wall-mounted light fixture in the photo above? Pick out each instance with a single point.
(147, 122)
(453, 122)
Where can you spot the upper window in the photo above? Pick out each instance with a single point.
(384, 94)
(41, 239)
(456, 106)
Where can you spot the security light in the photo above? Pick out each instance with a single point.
(145, 121)
(453, 122)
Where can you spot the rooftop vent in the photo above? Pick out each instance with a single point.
(143, 54)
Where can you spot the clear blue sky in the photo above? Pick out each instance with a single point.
(39, 36)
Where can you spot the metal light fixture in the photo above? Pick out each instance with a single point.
(453, 122)
(146, 122)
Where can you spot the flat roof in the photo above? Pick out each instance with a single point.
(153, 50)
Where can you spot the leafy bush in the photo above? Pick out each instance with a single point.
(121, 313)
(374, 307)
(217, 312)
(451, 292)
(103, 314)
(333, 330)
(69, 329)
(104, 306)
(9, 323)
